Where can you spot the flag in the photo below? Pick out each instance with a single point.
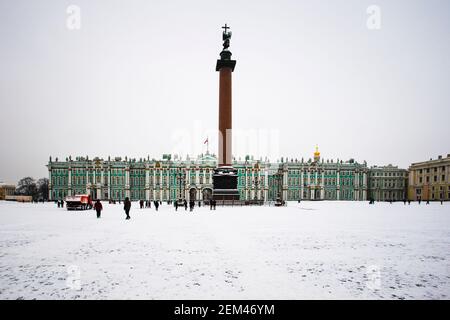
(206, 141)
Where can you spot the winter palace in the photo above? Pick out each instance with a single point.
(171, 179)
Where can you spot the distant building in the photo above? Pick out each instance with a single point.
(170, 179)
(430, 180)
(387, 183)
(6, 190)
(19, 198)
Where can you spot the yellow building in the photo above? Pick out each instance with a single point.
(430, 180)
(6, 190)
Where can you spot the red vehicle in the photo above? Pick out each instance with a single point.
(79, 202)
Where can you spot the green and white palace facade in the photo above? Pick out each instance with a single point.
(168, 180)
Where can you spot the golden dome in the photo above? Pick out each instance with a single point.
(317, 153)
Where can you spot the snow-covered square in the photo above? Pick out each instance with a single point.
(308, 250)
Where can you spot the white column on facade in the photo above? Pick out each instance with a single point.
(285, 180)
(127, 182)
(109, 183)
(258, 184)
(316, 178)
(253, 185)
(322, 190)
(168, 185)
(245, 183)
(50, 185)
(338, 186)
(147, 183)
(266, 184)
(197, 176)
(301, 183)
(99, 191)
(69, 185)
(87, 180)
(364, 186)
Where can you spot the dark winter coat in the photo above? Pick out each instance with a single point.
(98, 206)
(127, 205)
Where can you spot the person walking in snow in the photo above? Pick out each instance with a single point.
(141, 203)
(185, 205)
(127, 207)
(98, 207)
(175, 204)
(156, 205)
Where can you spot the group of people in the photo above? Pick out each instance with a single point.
(372, 201)
(148, 204)
(60, 203)
(98, 207)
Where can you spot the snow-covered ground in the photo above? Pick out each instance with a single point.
(312, 250)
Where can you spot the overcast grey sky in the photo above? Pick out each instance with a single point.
(139, 75)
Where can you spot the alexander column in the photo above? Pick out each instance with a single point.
(225, 177)
(225, 66)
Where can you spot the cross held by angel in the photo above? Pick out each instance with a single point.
(226, 36)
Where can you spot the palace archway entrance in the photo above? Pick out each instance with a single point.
(193, 194)
(207, 194)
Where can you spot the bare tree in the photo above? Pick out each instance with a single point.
(27, 187)
(42, 188)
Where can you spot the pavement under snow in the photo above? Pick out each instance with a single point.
(312, 250)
